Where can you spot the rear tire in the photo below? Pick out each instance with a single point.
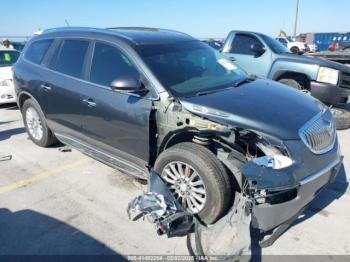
(341, 118)
(217, 187)
(35, 124)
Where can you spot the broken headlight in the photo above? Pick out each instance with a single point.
(275, 197)
(276, 155)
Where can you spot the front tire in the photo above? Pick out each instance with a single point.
(290, 82)
(295, 50)
(197, 179)
(35, 124)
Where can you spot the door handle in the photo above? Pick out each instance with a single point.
(46, 87)
(89, 102)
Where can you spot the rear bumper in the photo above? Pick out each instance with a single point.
(329, 94)
(267, 216)
(7, 94)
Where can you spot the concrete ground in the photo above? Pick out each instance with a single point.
(54, 202)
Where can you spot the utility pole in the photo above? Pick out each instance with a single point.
(296, 20)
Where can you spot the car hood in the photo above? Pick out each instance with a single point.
(6, 72)
(315, 61)
(262, 105)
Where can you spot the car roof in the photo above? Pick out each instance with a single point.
(133, 35)
(248, 32)
(2, 48)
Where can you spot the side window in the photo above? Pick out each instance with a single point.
(109, 63)
(282, 41)
(241, 44)
(37, 50)
(69, 57)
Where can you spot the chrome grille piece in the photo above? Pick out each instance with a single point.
(319, 133)
(345, 80)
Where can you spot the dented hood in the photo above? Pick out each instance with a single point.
(260, 105)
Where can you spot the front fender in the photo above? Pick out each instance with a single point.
(284, 65)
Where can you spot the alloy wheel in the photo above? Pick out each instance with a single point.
(186, 185)
(34, 124)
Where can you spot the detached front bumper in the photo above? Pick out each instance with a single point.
(329, 94)
(7, 94)
(269, 216)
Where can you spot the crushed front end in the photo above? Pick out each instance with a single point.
(287, 178)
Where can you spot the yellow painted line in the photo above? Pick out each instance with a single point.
(40, 176)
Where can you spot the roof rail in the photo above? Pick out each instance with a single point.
(134, 28)
(68, 28)
(141, 28)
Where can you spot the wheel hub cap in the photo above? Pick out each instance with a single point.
(34, 123)
(186, 185)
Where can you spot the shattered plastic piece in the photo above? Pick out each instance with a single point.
(157, 185)
(230, 236)
(6, 158)
(151, 204)
(161, 209)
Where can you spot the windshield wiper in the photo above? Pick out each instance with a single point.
(235, 84)
(202, 93)
(245, 80)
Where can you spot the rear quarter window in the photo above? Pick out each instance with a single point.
(37, 50)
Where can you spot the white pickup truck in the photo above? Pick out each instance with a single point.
(8, 57)
(294, 46)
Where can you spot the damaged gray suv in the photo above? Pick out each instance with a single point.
(143, 98)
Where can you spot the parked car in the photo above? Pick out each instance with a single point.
(260, 55)
(7, 58)
(294, 46)
(312, 48)
(140, 98)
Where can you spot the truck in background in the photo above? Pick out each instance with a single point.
(265, 57)
(296, 47)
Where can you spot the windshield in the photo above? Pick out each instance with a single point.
(275, 45)
(189, 68)
(8, 58)
(290, 39)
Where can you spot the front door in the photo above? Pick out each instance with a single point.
(244, 57)
(117, 123)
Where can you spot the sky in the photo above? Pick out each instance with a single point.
(199, 18)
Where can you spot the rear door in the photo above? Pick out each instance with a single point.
(62, 84)
(117, 123)
(242, 55)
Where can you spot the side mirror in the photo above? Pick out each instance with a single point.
(128, 84)
(257, 49)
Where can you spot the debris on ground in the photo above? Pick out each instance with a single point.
(230, 236)
(65, 149)
(160, 208)
(5, 158)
